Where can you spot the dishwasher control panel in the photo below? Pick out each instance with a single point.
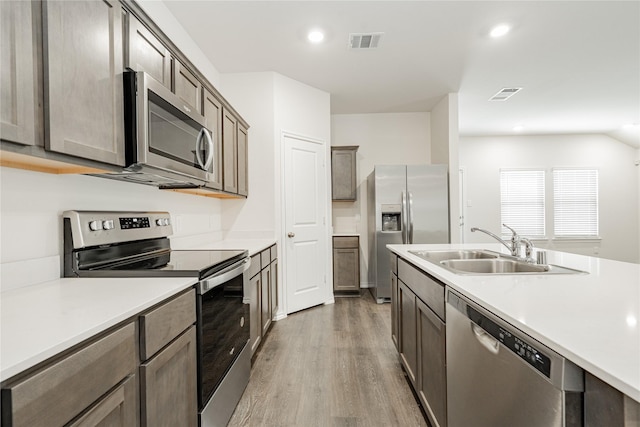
(513, 342)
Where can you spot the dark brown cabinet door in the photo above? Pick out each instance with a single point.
(255, 313)
(274, 286)
(432, 384)
(20, 117)
(83, 77)
(146, 53)
(343, 173)
(265, 300)
(407, 328)
(212, 111)
(229, 152)
(187, 86)
(243, 160)
(169, 391)
(394, 310)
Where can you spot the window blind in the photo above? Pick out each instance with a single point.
(522, 202)
(575, 202)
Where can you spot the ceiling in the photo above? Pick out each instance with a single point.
(578, 62)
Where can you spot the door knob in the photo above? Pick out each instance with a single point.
(291, 234)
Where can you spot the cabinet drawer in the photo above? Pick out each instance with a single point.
(254, 268)
(161, 325)
(63, 390)
(347, 242)
(274, 252)
(428, 290)
(265, 258)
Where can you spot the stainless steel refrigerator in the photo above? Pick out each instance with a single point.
(406, 204)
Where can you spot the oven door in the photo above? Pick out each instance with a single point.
(223, 326)
(165, 133)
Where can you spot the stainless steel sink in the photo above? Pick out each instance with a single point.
(481, 262)
(503, 266)
(437, 256)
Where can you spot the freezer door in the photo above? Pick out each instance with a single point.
(428, 203)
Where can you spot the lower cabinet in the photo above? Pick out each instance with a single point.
(408, 336)
(262, 293)
(254, 291)
(421, 337)
(432, 373)
(168, 384)
(168, 373)
(142, 373)
(70, 390)
(346, 264)
(394, 301)
(265, 299)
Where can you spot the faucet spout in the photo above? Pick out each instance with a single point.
(489, 233)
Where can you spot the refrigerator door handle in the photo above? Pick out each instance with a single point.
(404, 221)
(410, 231)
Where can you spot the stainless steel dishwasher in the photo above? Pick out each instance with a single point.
(498, 376)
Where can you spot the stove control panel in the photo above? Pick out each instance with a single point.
(91, 228)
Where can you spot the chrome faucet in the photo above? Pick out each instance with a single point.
(513, 245)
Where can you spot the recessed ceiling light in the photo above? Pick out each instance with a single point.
(315, 36)
(499, 30)
(518, 128)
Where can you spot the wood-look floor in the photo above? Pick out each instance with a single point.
(332, 365)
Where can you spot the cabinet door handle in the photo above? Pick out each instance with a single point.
(291, 234)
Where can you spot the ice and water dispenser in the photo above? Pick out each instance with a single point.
(391, 217)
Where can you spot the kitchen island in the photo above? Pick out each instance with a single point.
(591, 319)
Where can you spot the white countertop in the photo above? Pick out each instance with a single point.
(39, 321)
(254, 246)
(591, 319)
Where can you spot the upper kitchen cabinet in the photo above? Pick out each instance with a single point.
(234, 153)
(212, 111)
(230, 151)
(20, 98)
(187, 86)
(243, 160)
(343, 173)
(146, 53)
(83, 65)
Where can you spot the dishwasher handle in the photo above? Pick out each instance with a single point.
(484, 338)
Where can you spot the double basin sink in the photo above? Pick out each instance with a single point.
(481, 262)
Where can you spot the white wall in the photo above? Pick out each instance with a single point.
(444, 150)
(31, 222)
(252, 95)
(482, 158)
(272, 103)
(383, 139)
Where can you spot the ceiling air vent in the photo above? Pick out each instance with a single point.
(364, 40)
(505, 93)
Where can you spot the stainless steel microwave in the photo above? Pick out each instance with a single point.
(167, 142)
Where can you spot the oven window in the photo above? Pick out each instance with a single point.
(222, 335)
(173, 134)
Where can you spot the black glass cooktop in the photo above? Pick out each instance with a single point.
(185, 263)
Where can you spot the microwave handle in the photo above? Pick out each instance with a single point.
(210, 144)
(198, 142)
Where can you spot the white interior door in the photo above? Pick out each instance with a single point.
(305, 223)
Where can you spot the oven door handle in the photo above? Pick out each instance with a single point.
(225, 275)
